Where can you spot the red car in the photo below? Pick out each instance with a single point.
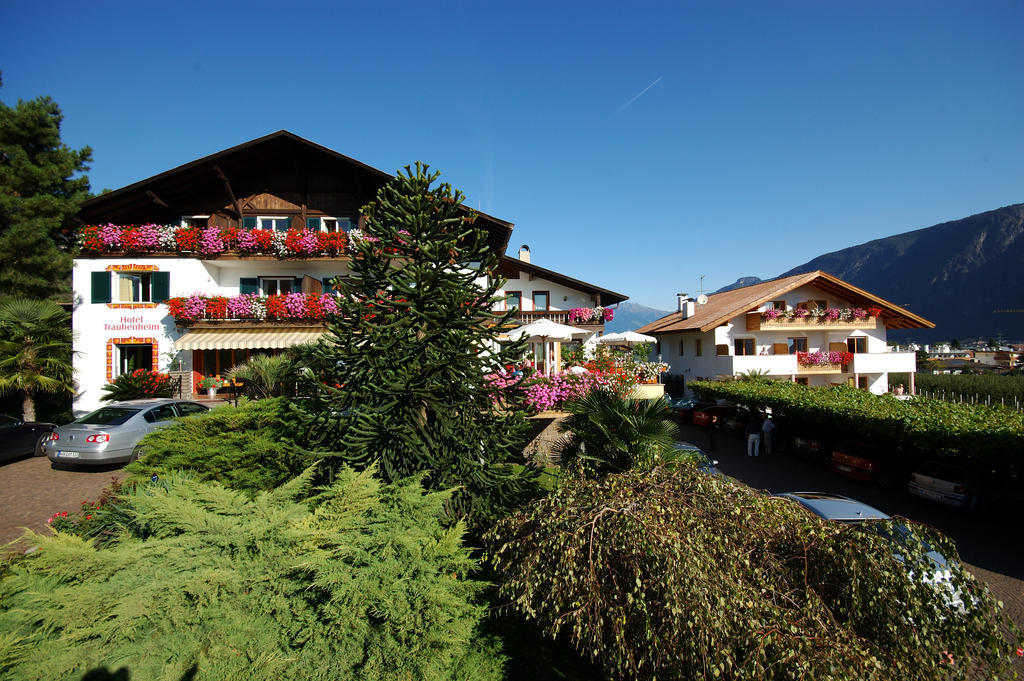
(712, 417)
(863, 462)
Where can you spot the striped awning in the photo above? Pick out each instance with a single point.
(246, 339)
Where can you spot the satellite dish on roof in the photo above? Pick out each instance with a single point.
(702, 299)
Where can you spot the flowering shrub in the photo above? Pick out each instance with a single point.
(823, 357)
(579, 315)
(152, 238)
(252, 306)
(648, 372)
(208, 382)
(137, 385)
(772, 313)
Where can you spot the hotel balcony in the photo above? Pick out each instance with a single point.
(786, 365)
(756, 322)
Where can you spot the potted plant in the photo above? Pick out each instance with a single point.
(211, 383)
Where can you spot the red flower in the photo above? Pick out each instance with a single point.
(187, 238)
(276, 308)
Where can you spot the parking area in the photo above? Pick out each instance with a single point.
(990, 547)
(31, 491)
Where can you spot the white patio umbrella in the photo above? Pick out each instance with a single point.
(628, 338)
(546, 330)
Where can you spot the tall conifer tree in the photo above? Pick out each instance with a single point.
(41, 190)
(405, 361)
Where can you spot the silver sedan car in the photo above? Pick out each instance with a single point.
(111, 434)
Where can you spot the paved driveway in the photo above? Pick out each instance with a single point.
(992, 548)
(31, 492)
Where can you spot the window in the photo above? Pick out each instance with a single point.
(201, 221)
(272, 286)
(744, 346)
(164, 412)
(857, 344)
(820, 304)
(796, 345)
(133, 356)
(514, 299)
(779, 305)
(134, 287)
(330, 224)
(187, 408)
(682, 347)
(279, 223)
(698, 347)
(862, 382)
(802, 380)
(541, 300)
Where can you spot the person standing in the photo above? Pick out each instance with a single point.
(754, 435)
(766, 435)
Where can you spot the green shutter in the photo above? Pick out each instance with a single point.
(287, 224)
(101, 287)
(248, 223)
(161, 286)
(328, 286)
(297, 286)
(248, 284)
(313, 223)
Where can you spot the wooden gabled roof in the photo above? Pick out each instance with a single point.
(509, 265)
(721, 307)
(248, 168)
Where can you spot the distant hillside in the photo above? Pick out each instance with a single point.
(630, 316)
(967, 276)
(740, 283)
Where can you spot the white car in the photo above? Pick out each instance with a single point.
(111, 434)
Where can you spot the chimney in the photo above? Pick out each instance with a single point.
(686, 305)
(524, 253)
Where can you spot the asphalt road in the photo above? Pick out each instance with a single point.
(990, 547)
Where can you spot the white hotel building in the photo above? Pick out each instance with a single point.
(273, 186)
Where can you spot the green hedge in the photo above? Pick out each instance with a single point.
(970, 431)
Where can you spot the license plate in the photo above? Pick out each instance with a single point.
(930, 494)
(67, 455)
(845, 469)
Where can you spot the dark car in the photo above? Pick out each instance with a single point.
(811, 445)
(691, 452)
(684, 409)
(711, 417)
(864, 462)
(20, 438)
(736, 422)
(111, 434)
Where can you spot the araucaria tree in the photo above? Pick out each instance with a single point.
(41, 190)
(403, 368)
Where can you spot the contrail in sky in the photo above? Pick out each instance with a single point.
(638, 96)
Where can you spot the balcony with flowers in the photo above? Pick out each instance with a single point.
(590, 318)
(214, 242)
(801, 319)
(823, 362)
(303, 307)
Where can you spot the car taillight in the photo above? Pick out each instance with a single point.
(102, 437)
(54, 435)
(959, 489)
(913, 477)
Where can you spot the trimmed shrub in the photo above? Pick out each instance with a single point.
(249, 448)
(671, 573)
(206, 584)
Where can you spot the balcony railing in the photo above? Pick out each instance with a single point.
(757, 322)
(785, 365)
(559, 316)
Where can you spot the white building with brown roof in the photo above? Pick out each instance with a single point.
(811, 328)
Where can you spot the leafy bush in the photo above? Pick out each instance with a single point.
(138, 385)
(250, 448)
(973, 431)
(206, 584)
(266, 375)
(993, 388)
(671, 573)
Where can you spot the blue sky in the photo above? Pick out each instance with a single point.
(635, 146)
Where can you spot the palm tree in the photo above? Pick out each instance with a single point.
(266, 375)
(35, 351)
(608, 433)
